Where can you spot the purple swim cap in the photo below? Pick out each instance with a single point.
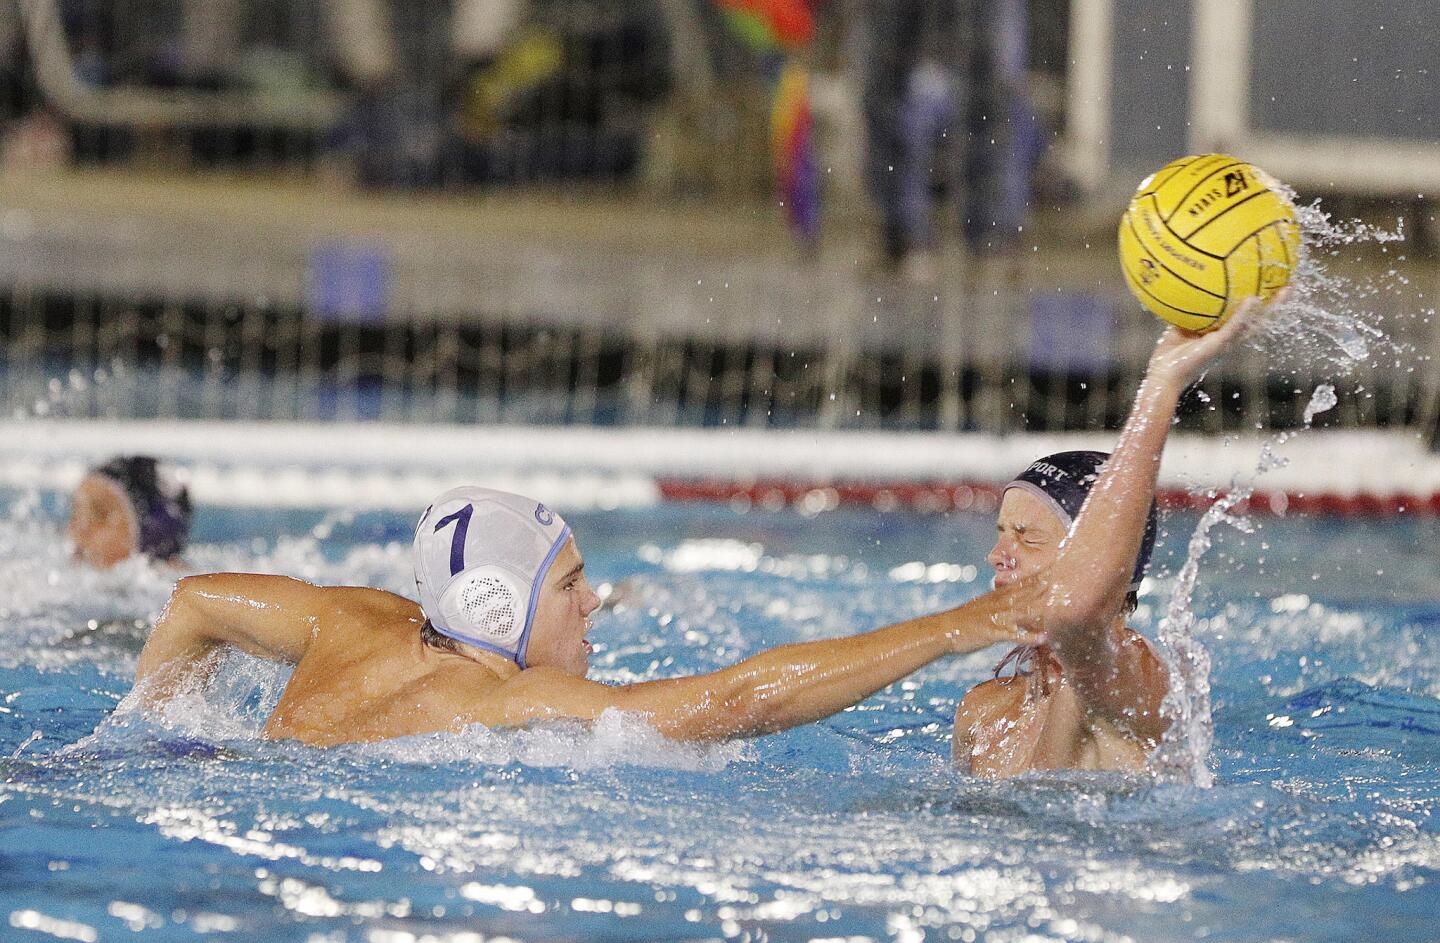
(160, 503)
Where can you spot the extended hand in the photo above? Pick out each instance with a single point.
(1010, 614)
(1182, 355)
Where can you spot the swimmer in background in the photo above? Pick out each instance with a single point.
(129, 505)
(1089, 696)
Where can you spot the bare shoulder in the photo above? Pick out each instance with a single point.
(363, 598)
(358, 612)
(987, 699)
(264, 590)
(1129, 636)
(538, 694)
(1143, 649)
(981, 706)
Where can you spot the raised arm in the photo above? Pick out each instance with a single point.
(774, 690)
(268, 616)
(1090, 576)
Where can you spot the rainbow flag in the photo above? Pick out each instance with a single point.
(771, 25)
(792, 146)
(778, 31)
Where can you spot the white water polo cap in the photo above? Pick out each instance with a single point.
(480, 559)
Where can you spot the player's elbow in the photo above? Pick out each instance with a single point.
(736, 714)
(776, 695)
(175, 641)
(754, 714)
(182, 612)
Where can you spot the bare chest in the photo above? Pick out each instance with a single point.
(1021, 727)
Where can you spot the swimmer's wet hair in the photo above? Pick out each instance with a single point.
(434, 639)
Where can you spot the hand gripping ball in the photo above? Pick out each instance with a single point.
(1204, 233)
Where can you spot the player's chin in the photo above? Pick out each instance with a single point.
(580, 661)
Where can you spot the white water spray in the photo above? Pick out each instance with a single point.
(1328, 322)
(1184, 753)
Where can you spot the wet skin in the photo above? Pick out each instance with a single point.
(102, 526)
(362, 671)
(1093, 693)
(1036, 720)
(370, 676)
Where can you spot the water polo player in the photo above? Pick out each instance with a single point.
(499, 639)
(1016, 722)
(1090, 696)
(128, 505)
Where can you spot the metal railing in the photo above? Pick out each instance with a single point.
(59, 81)
(679, 301)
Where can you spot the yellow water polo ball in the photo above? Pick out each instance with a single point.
(1202, 234)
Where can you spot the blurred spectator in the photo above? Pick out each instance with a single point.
(129, 505)
(944, 115)
(32, 136)
(564, 100)
(483, 91)
(445, 90)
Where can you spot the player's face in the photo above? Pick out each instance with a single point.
(1027, 537)
(562, 615)
(102, 528)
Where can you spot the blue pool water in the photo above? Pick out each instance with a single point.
(1321, 825)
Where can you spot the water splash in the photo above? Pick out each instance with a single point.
(1184, 753)
(1322, 400)
(1337, 319)
(1333, 325)
(72, 394)
(229, 712)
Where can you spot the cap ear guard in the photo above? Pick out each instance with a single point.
(488, 602)
(480, 556)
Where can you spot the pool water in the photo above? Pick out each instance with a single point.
(1321, 826)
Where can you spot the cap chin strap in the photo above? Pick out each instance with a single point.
(502, 643)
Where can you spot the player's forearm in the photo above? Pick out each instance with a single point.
(176, 648)
(1094, 567)
(797, 684)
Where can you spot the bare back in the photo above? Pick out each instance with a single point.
(367, 675)
(362, 671)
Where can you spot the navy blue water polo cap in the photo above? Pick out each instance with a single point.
(1063, 481)
(161, 503)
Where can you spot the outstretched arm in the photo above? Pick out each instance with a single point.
(268, 616)
(774, 690)
(1115, 676)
